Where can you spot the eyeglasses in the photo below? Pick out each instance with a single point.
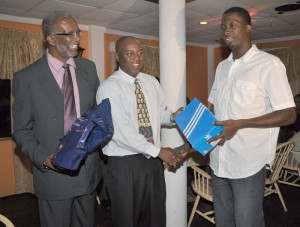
(70, 34)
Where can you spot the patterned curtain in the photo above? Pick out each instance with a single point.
(151, 60)
(17, 50)
(291, 59)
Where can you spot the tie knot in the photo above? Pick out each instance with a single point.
(137, 87)
(65, 66)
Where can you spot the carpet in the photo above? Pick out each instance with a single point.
(22, 210)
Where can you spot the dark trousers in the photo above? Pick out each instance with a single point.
(239, 202)
(136, 186)
(74, 212)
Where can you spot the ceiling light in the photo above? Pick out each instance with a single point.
(203, 22)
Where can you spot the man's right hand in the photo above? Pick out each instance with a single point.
(167, 155)
(48, 163)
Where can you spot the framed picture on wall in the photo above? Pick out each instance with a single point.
(5, 108)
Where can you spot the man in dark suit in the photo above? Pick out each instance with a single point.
(64, 198)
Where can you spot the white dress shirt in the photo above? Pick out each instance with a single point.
(120, 89)
(252, 86)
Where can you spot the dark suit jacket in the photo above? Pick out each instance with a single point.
(38, 114)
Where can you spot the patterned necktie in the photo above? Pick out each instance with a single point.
(142, 113)
(69, 100)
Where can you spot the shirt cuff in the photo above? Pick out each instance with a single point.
(153, 151)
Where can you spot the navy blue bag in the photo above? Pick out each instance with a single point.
(93, 129)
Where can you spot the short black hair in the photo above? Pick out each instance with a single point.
(242, 12)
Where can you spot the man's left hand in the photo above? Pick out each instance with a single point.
(230, 127)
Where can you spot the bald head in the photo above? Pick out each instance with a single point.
(129, 55)
(120, 43)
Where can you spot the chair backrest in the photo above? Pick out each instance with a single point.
(202, 183)
(6, 221)
(282, 152)
(292, 162)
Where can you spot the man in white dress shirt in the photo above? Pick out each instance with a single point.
(134, 170)
(251, 98)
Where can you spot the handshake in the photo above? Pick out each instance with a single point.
(174, 156)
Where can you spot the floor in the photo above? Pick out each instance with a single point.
(22, 210)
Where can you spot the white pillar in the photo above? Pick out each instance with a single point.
(210, 67)
(172, 45)
(96, 49)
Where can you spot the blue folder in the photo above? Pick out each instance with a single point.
(196, 123)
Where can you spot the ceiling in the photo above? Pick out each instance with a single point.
(142, 16)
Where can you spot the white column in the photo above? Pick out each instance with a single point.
(172, 46)
(96, 49)
(210, 67)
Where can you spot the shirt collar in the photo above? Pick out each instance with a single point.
(127, 77)
(246, 57)
(57, 64)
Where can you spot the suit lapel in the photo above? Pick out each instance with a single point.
(50, 86)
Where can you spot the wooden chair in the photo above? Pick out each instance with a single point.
(282, 152)
(290, 173)
(6, 221)
(202, 187)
